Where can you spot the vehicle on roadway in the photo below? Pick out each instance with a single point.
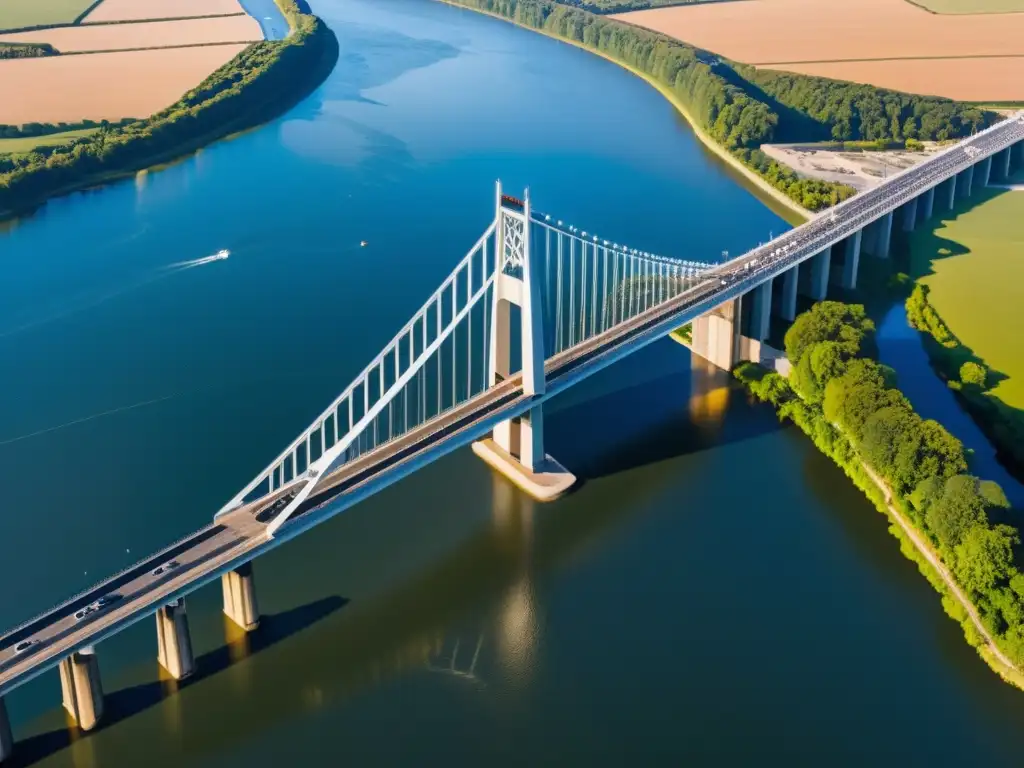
(23, 646)
(99, 605)
(165, 568)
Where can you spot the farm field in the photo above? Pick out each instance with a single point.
(974, 265)
(72, 88)
(888, 43)
(971, 6)
(140, 10)
(17, 14)
(157, 34)
(28, 143)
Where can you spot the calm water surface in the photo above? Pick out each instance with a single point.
(716, 593)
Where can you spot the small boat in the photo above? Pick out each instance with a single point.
(363, 243)
(222, 254)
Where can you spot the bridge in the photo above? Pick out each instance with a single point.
(534, 307)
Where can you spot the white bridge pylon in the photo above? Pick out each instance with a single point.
(568, 286)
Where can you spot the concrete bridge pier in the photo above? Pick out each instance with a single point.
(820, 264)
(174, 645)
(790, 283)
(951, 189)
(929, 205)
(985, 175)
(761, 311)
(851, 260)
(516, 446)
(239, 598)
(882, 240)
(715, 335)
(80, 684)
(966, 181)
(1004, 159)
(910, 215)
(6, 737)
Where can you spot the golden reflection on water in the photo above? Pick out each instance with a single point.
(709, 393)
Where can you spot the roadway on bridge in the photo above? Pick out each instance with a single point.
(241, 534)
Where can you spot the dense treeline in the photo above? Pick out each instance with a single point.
(850, 406)
(258, 83)
(26, 50)
(1001, 423)
(741, 108)
(45, 129)
(852, 111)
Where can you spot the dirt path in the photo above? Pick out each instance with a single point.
(936, 562)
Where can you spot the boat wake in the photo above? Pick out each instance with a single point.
(218, 256)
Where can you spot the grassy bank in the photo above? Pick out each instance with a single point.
(957, 528)
(263, 81)
(967, 305)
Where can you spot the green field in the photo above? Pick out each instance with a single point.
(974, 265)
(18, 14)
(28, 143)
(971, 6)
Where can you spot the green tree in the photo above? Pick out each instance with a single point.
(972, 375)
(959, 509)
(985, 557)
(846, 324)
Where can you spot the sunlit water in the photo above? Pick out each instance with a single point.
(715, 592)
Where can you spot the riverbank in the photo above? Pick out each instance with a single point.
(957, 528)
(719, 151)
(260, 83)
(971, 380)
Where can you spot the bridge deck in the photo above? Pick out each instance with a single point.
(240, 535)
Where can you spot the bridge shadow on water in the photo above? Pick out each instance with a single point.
(127, 702)
(682, 413)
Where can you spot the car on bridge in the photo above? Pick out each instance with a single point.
(97, 606)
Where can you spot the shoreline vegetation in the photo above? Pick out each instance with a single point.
(970, 379)
(958, 528)
(735, 108)
(258, 84)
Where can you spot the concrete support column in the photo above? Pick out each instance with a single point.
(716, 335)
(884, 238)
(910, 215)
(966, 181)
(80, 684)
(174, 645)
(6, 737)
(851, 260)
(929, 205)
(531, 439)
(1004, 157)
(819, 274)
(951, 202)
(761, 311)
(240, 597)
(790, 281)
(985, 172)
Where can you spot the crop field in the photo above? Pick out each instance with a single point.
(107, 86)
(17, 14)
(971, 6)
(889, 43)
(156, 34)
(978, 263)
(140, 10)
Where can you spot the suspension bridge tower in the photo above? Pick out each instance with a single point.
(516, 446)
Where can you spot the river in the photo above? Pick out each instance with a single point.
(715, 593)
